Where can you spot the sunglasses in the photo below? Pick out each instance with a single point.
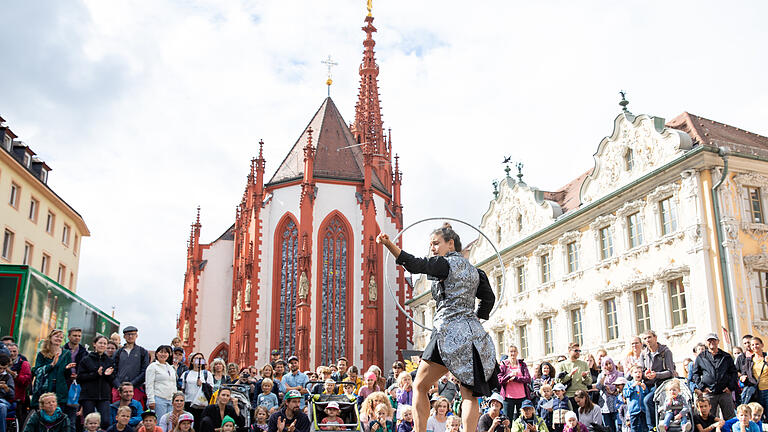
(577, 350)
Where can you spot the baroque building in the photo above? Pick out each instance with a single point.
(666, 232)
(306, 274)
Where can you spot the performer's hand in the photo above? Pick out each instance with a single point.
(382, 238)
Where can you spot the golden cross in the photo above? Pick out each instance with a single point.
(330, 63)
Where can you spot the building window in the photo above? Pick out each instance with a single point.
(8, 142)
(27, 159)
(71, 280)
(45, 264)
(288, 246)
(28, 248)
(642, 311)
(522, 340)
(50, 223)
(334, 287)
(499, 284)
(33, 206)
(611, 319)
(755, 205)
(549, 347)
(629, 159)
(634, 230)
(7, 245)
(520, 270)
(576, 328)
(677, 302)
(15, 193)
(762, 280)
(573, 256)
(606, 243)
(668, 216)
(65, 235)
(76, 244)
(545, 274)
(500, 340)
(61, 274)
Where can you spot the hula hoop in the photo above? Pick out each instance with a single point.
(392, 293)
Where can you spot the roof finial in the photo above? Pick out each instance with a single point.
(370, 7)
(519, 172)
(495, 189)
(330, 63)
(506, 161)
(197, 222)
(261, 149)
(624, 102)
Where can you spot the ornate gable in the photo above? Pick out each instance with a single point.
(637, 145)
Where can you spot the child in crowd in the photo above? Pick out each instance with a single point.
(185, 423)
(606, 384)
(348, 387)
(122, 417)
(331, 417)
(674, 409)
(705, 421)
(634, 393)
(744, 423)
(353, 377)
(392, 395)
(149, 422)
(544, 407)
(228, 424)
(261, 415)
(572, 423)
(405, 388)
(560, 407)
(622, 417)
(329, 387)
(406, 419)
(369, 387)
(381, 422)
(267, 398)
(757, 415)
(92, 422)
(453, 424)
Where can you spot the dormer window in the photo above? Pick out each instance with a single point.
(44, 175)
(27, 160)
(7, 142)
(629, 159)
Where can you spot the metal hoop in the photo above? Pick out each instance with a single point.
(392, 293)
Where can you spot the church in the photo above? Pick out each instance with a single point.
(299, 270)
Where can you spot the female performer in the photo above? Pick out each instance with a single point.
(459, 344)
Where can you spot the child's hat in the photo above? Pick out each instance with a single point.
(370, 375)
(333, 405)
(186, 417)
(558, 386)
(570, 415)
(620, 381)
(148, 413)
(227, 419)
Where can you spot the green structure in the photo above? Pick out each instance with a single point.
(31, 305)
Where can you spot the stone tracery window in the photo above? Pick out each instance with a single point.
(334, 288)
(288, 255)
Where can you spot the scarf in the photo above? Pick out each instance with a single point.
(51, 418)
(610, 377)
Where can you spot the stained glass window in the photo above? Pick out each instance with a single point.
(334, 285)
(289, 247)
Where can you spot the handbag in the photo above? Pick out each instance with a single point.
(199, 401)
(73, 397)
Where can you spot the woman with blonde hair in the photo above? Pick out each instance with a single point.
(52, 369)
(633, 356)
(218, 369)
(368, 407)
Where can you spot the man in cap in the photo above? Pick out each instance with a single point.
(493, 421)
(274, 356)
(528, 420)
(178, 365)
(714, 373)
(296, 380)
(131, 363)
(290, 418)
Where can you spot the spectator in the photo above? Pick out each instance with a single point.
(111, 349)
(220, 377)
(232, 372)
(561, 404)
(545, 375)
(160, 382)
(745, 423)
(574, 373)
(757, 414)
(178, 365)
(176, 343)
(261, 415)
(131, 362)
(529, 421)
(675, 409)
(353, 376)
(267, 398)
(341, 370)
(126, 400)
(446, 388)
(441, 409)
(744, 369)
(277, 377)
(7, 391)
(714, 373)
(115, 338)
(49, 418)
(382, 422)
(213, 415)
(572, 423)
(274, 356)
(634, 394)
(759, 370)
(589, 413)
(406, 422)
(290, 415)
(493, 421)
(192, 381)
(92, 422)
(697, 350)
(544, 406)
(95, 378)
(122, 420)
(170, 420)
(514, 379)
(185, 423)
(296, 380)
(76, 353)
(380, 380)
(633, 357)
(405, 389)
(52, 370)
(608, 392)
(659, 366)
(594, 371)
(368, 407)
(704, 421)
(397, 367)
(149, 422)
(21, 372)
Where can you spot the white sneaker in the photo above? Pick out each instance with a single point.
(687, 427)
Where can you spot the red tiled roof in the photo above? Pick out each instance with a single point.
(710, 132)
(568, 196)
(332, 160)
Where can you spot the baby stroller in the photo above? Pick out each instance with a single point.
(660, 400)
(349, 414)
(240, 396)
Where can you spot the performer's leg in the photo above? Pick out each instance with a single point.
(470, 410)
(427, 374)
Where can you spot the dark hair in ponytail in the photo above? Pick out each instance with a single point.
(447, 233)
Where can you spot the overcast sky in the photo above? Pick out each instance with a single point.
(147, 109)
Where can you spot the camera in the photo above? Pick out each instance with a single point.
(530, 421)
(502, 418)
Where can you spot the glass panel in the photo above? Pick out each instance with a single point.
(334, 290)
(548, 343)
(668, 217)
(576, 328)
(611, 319)
(677, 302)
(763, 287)
(573, 257)
(520, 279)
(289, 241)
(523, 340)
(755, 204)
(642, 311)
(545, 268)
(606, 243)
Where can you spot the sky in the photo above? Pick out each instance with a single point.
(147, 109)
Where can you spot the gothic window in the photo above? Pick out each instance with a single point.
(334, 288)
(288, 238)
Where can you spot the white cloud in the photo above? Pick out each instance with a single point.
(147, 109)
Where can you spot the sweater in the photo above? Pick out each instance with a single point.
(54, 377)
(160, 381)
(23, 378)
(576, 381)
(660, 362)
(593, 416)
(130, 366)
(95, 386)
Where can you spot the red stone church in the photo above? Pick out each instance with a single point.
(300, 264)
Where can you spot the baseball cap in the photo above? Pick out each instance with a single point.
(292, 358)
(178, 349)
(148, 413)
(130, 329)
(292, 394)
(526, 404)
(496, 397)
(275, 352)
(558, 386)
(333, 405)
(712, 336)
(186, 417)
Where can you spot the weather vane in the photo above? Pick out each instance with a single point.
(506, 161)
(330, 63)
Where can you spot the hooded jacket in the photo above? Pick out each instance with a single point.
(715, 372)
(95, 386)
(660, 362)
(41, 422)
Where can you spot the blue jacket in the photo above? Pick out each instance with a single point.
(135, 412)
(634, 394)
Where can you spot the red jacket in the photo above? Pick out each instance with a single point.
(23, 378)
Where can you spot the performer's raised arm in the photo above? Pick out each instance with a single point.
(436, 266)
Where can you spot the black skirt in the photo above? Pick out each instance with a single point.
(481, 387)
